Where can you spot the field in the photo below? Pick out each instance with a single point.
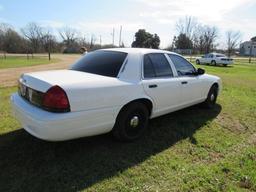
(194, 149)
(22, 61)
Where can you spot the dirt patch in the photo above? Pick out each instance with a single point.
(231, 124)
(9, 77)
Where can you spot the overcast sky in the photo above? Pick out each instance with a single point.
(99, 17)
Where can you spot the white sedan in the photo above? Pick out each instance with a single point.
(116, 90)
(214, 59)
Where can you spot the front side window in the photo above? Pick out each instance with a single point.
(182, 66)
(156, 65)
(106, 63)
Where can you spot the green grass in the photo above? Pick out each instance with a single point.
(22, 61)
(194, 149)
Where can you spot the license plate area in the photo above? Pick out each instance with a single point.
(32, 96)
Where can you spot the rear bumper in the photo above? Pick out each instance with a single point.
(62, 126)
(225, 62)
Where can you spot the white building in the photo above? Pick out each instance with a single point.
(247, 48)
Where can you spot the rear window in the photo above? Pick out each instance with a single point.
(106, 63)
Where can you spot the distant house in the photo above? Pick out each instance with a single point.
(247, 48)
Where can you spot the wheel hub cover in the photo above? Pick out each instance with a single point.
(134, 122)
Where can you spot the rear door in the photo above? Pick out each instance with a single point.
(159, 83)
(192, 85)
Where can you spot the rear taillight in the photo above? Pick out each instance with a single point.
(56, 100)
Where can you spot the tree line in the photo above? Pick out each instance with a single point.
(34, 38)
(191, 35)
(199, 38)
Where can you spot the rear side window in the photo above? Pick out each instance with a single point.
(156, 65)
(106, 63)
(182, 66)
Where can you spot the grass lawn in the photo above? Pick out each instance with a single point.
(22, 61)
(194, 149)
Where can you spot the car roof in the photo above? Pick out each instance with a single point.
(214, 53)
(139, 50)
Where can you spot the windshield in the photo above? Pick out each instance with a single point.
(106, 63)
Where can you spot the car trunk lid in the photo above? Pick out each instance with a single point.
(33, 86)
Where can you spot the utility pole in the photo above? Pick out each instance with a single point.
(250, 57)
(113, 36)
(100, 40)
(120, 36)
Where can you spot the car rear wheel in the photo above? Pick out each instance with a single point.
(225, 65)
(197, 62)
(211, 97)
(213, 63)
(131, 123)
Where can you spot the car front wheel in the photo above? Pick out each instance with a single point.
(211, 97)
(197, 62)
(132, 121)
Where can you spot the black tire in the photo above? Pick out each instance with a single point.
(211, 97)
(225, 65)
(131, 122)
(213, 62)
(197, 62)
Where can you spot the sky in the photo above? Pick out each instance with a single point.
(99, 17)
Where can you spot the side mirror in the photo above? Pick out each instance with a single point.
(200, 71)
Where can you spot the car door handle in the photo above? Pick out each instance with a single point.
(184, 82)
(152, 86)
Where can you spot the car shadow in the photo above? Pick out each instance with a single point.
(30, 164)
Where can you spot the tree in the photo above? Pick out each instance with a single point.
(33, 32)
(10, 40)
(145, 39)
(155, 42)
(183, 42)
(3, 30)
(49, 42)
(204, 38)
(69, 36)
(13, 42)
(187, 26)
(233, 39)
(210, 35)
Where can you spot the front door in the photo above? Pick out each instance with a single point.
(160, 84)
(192, 85)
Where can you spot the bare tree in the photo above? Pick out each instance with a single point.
(33, 32)
(204, 38)
(210, 36)
(187, 26)
(233, 40)
(92, 41)
(48, 41)
(69, 36)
